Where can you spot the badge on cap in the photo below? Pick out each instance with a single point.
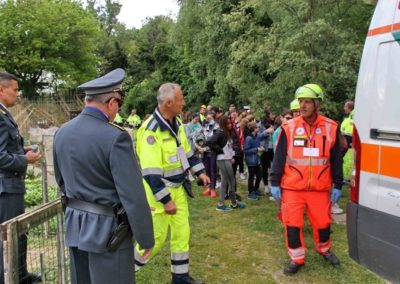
(300, 131)
(151, 140)
(318, 131)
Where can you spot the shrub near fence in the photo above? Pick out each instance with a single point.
(46, 253)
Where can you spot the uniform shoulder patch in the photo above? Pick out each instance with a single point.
(117, 126)
(150, 140)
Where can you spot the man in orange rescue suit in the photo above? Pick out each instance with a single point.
(306, 163)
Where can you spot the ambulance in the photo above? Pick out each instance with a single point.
(373, 211)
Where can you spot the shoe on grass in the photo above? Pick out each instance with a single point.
(238, 205)
(336, 209)
(292, 268)
(253, 196)
(223, 208)
(206, 192)
(331, 258)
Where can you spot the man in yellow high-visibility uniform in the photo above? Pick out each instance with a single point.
(133, 120)
(165, 155)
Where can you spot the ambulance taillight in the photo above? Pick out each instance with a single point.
(355, 175)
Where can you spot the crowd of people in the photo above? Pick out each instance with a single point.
(298, 155)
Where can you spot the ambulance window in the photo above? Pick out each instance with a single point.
(386, 108)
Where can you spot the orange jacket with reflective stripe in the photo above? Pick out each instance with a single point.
(308, 154)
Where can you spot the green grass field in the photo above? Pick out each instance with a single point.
(248, 246)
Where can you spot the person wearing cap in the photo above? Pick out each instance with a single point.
(202, 112)
(165, 156)
(295, 108)
(97, 171)
(307, 161)
(14, 160)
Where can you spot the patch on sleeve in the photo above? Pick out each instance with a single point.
(151, 140)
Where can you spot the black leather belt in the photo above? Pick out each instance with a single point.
(90, 207)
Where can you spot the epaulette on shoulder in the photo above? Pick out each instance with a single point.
(152, 124)
(117, 126)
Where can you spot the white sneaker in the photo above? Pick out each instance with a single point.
(242, 176)
(272, 198)
(336, 209)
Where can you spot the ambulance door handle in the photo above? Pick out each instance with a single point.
(384, 134)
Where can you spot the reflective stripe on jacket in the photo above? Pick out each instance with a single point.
(157, 149)
(307, 164)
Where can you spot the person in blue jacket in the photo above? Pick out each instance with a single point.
(252, 152)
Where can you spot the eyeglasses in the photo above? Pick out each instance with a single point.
(288, 117)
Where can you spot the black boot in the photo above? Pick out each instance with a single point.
(331, 258)
(188, 280)
(292, 268)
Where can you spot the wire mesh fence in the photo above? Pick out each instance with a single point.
(38, 237)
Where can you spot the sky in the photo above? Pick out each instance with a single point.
(134, 12)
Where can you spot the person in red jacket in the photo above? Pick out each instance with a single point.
(307, 161)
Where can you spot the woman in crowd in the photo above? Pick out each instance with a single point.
(221, 144)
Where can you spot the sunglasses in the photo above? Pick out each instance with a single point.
(288, 117)
(118, 100)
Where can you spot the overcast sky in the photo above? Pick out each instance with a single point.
(133, 12)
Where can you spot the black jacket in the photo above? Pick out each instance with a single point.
(217, 141)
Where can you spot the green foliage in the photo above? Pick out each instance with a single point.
(34, 192)
(246, 52)
(42, 39)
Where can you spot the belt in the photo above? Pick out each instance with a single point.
(89, 207)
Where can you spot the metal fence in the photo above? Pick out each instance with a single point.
(46, 253)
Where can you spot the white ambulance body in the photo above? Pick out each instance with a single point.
(373, 212)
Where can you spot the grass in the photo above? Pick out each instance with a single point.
(248, 246)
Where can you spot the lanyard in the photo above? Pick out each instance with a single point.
(310, 138)
(178, 142)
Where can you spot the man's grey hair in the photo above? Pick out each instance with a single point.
(167, 91)
(6, 78)
(99, 98)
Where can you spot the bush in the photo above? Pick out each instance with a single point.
(34, 192)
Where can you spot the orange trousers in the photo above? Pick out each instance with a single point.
(318, 208)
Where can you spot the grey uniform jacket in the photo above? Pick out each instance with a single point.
(13, 163)
(94, 161)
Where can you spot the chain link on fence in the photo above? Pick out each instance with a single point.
(46, 253)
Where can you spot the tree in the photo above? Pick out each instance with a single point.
(42, 39)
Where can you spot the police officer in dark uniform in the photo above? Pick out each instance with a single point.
(96, 168)
(14, 159)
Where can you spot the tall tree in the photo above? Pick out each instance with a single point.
(42, 39)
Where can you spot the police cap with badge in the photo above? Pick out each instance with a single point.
(109, 83)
